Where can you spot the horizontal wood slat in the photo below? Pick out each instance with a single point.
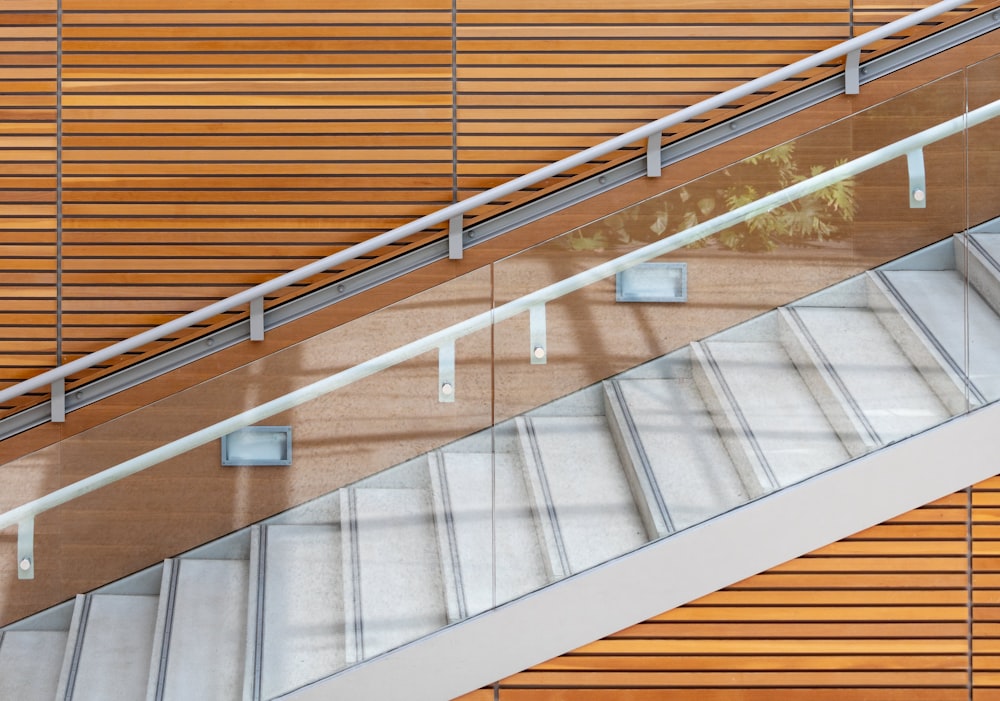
(28, 212)
(891, 625)
(253, 136)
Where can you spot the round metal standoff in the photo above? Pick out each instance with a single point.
(24, 564)
(340, 288)
(918, 195)
(539, 352)
(447, 389)
(602, 180)
(210, 342)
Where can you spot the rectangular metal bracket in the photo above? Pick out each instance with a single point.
(852, 72)
(918, 179)
(26, 549)
(654, 168)
(539, 352)
(446, 372)
(257, 319)
(455, 238)
(58, 401)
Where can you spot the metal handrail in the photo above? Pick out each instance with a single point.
(454, 212)
(443, 341)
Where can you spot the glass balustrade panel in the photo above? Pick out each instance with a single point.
(721, 340)
(979, 252)
(369, 562)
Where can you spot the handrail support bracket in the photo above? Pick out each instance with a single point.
(455, 238)
(918, 179)
(852, 72)
(57, 402)
(446, 372)
(539, 351)
(257, 319)
(26, 548)
(654, 164)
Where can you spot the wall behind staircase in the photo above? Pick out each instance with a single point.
(906, 610)
(160, 155)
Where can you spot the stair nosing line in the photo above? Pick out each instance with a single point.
(74, 665)
(640, 449)
(930, 337)
(970, 240)
(352, 525)
(449, 522)
(834, 375)
(167, 627)
(543, 482)
(740, 417)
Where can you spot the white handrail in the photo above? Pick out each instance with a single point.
(24, 515)
(458, 209)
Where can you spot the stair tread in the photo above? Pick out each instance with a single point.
(303, 611)
(207, 633)
(692, 468)
(397, 571)
(489, 506)
(891, 394)
(938, 298)
(30, 661)
(595, 512)
(989, 243)
(782, 414)
(116, 648)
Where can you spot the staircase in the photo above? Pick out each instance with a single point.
(665, 446)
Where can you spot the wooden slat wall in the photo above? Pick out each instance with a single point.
(542, 81)
(208, 146)
(28, 308)
(884, 614)
(986, 592)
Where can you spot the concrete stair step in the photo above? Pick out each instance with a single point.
(672, 438)
(297, 613)
(575, 477)
(393, 593)
(765, 409)
(938, 299)
(977, 257)
(201, 627)
(487, 534)
(881, 384)
(112, 645)
(30, 663)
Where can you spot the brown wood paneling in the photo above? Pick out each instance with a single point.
(145, 534)
(28, 284)
(208, 147)
(986, 594)
(892, 624)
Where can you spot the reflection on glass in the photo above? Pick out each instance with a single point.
(646, 418)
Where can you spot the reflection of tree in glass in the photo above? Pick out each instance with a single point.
(814, 217)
